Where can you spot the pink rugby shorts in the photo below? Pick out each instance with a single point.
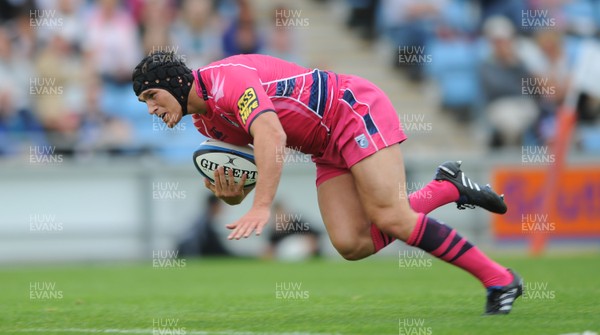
(363, 122)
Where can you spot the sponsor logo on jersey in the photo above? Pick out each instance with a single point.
(247, 103)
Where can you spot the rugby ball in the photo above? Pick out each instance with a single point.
(235, 159)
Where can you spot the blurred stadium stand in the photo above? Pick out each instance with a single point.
(66, 64)
(65, 67)
(124, 210)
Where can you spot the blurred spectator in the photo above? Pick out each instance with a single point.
(579, 16)
(9, 10)
(18, 125)
(291, 236)
(111, 42)
(282, 41)
(157, 17)
(451, 68)
(203, 239)
(227, 9)
(510, 9)
(112, 49)
(588, 113)
(588, 109)
(410, 25)
(194, 33)
(549, 62)
(64, 17)
(503, 79)
(88, 48)
(460, 16)
(59, 93)
(242, 36)
(24, 34)
(187, 32)
(100, 133)
(538, 10)
(363, 17)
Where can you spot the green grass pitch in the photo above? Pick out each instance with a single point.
(243, 296)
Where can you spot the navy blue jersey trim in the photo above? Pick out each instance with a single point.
(204, 90)
(371, 128)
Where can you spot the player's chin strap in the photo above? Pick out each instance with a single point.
(202, 86)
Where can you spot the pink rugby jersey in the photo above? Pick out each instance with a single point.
(239, 88)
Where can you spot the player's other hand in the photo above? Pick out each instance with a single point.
(254, 220)
(225, 187)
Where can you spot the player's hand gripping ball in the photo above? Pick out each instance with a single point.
(235, 159)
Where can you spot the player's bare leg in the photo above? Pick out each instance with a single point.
(381, 186)
(346, 222)
(379, 181)
(349, 229)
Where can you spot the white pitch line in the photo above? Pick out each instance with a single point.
(157, 331)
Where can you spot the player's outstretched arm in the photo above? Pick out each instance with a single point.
(269, 139)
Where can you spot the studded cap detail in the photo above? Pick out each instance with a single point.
(157, 71)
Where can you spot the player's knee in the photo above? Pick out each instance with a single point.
(351, 250)
(352, 255)
(395, 221)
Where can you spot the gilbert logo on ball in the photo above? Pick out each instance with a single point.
(235, 159)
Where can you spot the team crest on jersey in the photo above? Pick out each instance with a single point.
(362, 141)
(247, 103)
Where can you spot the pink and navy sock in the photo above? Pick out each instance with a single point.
(380, 240)
(435, 194)
(445, 243)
